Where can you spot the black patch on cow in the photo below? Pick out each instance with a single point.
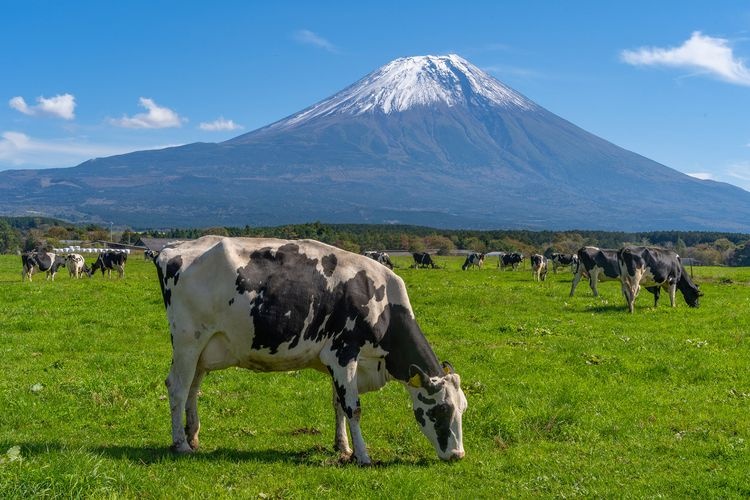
(406, 345)
(427, 401)
(231, 301)
(288, 284)
(419, 415)
(329, 263)
(440, 415)
(166, 293)
(173, 269)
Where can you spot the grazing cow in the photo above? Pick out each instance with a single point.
(423, 259)
(44, 261)
(511, 259)
(539, 267)
(599, 264)
(473, 259)
(562, 260)
(499, 256)
(77, 265)
(381, 257)
(278, 305)
(655, 268)
(110, 260)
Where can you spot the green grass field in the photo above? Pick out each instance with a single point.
(567, 396)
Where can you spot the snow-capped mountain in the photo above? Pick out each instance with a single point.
(411, 82)
(429, 140)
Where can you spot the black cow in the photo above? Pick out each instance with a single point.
(562, 260)
(539, 267)
(379, 256)
(279, 305)
(511, 259)
(473, 259)
(655, 268)
(423, 259)
(43, 261)
(110, 260)
(599, 264)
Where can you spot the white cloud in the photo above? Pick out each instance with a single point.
(704, 53)
(309, 38)
(219, 124)
(18, 150)
(156, 117)
(61, 106)
(704, 176)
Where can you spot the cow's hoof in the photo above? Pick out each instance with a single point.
(345, 457)
(181, 448)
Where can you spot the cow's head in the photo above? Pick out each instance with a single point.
(439, 404)
(692, 295)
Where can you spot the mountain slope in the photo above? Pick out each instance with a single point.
(422, 140)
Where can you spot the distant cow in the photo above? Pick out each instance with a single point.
(77, 265)
(599, 264)
(43, 261)
(423, 259)
(150, 254)
(539, 267)
(110, 260)
(379, 256)
(278, 305)
(473, 259)
(655, 268)
(563, 260)
(511, 259)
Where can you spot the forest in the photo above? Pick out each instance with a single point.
(19, 234)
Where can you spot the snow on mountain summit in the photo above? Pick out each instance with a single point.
(408, 82)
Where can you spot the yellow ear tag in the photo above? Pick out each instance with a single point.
(446, 370)
(415, 381)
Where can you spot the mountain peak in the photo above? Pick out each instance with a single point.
(409, 82)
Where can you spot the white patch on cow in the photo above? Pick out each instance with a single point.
(350, 324)
(288, 314)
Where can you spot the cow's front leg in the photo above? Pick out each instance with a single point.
(341, 443)
(345, 385)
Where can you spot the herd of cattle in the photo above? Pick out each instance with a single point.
(51, 262)
(279, 305)
(651, 267)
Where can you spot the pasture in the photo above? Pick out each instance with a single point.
(567, 396)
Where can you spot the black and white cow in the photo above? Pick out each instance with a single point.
(379, 256)
(77, 265)
(110, 260)
(511, 259)
(43, 261)
(599, 264)
(563, 260)
(473, 259)
(539, 267)
(423, 259)
(278, 305)
(655, 268)
(150, 254)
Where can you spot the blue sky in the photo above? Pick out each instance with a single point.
(668, 80)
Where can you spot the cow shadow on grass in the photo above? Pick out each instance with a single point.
(149, 455)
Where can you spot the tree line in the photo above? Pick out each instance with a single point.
(710, 248)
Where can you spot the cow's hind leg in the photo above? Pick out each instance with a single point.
(192, 422)
(179, 381)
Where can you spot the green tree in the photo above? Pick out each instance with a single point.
(10, 239)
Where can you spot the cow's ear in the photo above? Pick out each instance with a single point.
(416, 376)
(448, 368)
